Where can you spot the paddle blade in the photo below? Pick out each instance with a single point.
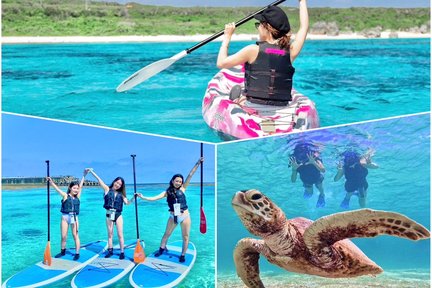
(148, 71)
(139, 255)
(203, 222)
(47, 254)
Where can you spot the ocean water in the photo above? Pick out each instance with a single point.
(24, 228)
(349, 81)
(400, 184)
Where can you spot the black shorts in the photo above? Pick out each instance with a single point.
(352, 186)
(308, 183)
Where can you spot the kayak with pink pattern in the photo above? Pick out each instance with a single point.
(249, 121)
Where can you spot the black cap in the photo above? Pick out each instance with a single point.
(276, 17)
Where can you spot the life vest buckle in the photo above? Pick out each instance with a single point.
(268, 126)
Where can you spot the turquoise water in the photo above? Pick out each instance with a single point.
(24, 228)
(400, 184)
(350, 81)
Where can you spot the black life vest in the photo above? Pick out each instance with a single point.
(356, 173)
(70, 205)
(113, 201)
(309, 173)
(269, 78)
(177, 197)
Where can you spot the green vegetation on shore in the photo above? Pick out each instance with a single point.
(73, 18)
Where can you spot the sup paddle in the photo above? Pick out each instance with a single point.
(158, 66)
(47, 254)
(203, 221)
(139, 255)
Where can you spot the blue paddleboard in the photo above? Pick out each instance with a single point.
(40, 274)
(102, 271)
(165, 270)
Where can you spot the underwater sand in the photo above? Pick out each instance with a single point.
(394, 278)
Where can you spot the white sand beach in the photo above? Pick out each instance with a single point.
(188, 38)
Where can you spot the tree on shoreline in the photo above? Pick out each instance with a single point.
(76, 18)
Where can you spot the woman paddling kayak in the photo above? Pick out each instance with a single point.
(268, 64)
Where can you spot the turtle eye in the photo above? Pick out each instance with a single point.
(256, 196)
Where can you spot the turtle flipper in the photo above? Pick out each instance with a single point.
(246, 256)
(327, 230)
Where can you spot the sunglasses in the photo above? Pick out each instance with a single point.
(257, 24)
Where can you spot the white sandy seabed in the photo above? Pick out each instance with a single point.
(388, 279)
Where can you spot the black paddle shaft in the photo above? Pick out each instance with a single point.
(238, 23)
(48, 198)
(202, 168)
(135, 196)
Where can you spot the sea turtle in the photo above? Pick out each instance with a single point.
(311, 247)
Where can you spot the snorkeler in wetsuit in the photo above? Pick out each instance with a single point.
(355, 169)
(306, 162)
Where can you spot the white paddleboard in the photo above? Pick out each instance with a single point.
(103, 271)
(40, 274)
(165, 270)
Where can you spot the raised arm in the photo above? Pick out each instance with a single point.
(294, 165)
(192, 172)
(317, 163)
(300, 37)
(366, 161)
(154, 198)
(242, 56)
(101, 183)
(81, 184)
(372, 165)
(59, 191)
(340, 172)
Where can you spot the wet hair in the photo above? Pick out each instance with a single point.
(284, 41)
(301, 152)
(122, 189)
(73, 183)
(171, 189)
(350, 158)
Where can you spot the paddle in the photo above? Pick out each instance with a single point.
(203, 221)
(139, 255)
(158, 66)
(47, 253)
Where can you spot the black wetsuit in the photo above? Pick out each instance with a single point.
(356, 178)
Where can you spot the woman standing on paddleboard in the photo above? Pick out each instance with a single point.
(114, 198)
(70, 205)
(178, 209)
(268, 63)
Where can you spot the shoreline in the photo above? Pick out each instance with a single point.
(187, 38)
(15, 187)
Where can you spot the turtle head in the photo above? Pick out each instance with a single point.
(258, 213)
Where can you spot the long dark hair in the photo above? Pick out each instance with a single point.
(122, 189)
(171, 189)
(284, 41)
(73, 183)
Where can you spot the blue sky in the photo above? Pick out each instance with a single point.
(28, 142)
(311, 3)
